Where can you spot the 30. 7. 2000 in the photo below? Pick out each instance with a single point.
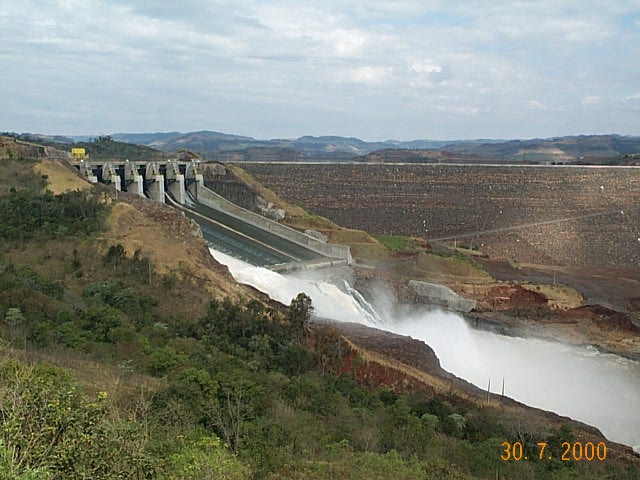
(570, 451)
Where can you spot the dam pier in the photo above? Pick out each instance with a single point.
(226, 226)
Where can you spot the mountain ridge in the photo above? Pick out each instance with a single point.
(601, 148)
(561, 149)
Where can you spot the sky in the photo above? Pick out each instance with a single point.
(376, 70)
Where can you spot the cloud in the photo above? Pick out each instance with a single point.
(425, 74)
(590, 100)
(370, 74)
(635, 96)
(422, 68)
(155, 64)
(467, 110)
(544, 107)
(347, 43)
(535, 104)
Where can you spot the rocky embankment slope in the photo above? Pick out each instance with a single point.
(379, 358)
(551, 252)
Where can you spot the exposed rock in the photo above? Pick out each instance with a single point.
(605, 318)
(441, 296)
(508, 297)
(268, 210)
(212, 170)
(238, 192)
(317, 235)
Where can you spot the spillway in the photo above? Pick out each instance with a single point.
(602, 390)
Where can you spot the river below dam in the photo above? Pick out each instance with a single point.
(599, 389)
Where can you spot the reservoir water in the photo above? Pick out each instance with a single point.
(602, 390)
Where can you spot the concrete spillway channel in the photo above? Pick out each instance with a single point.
(225, 226)
(244, 241)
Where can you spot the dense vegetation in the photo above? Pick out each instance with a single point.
(25, 214)
(246, 390)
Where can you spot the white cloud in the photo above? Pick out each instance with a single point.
(535, 104)
(572, 30)
(347, 42)
(425, 67)
(544, 107)
(370, 74)
(308, 60)
(425, 74)
(590, 100)
(459, 109)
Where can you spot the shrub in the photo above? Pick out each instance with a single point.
(25, 214)
(46, 423)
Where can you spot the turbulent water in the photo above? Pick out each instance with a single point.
(599, 389)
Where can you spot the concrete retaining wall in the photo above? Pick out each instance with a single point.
(213, 200)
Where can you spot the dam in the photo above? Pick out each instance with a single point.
(226, 226)
(579, 382)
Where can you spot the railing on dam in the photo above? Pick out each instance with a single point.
(211, 199)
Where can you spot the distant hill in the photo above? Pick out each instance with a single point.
(330, 144)
(201, 142)
(145, 138)
(435, 144)
(559, 150)
(571, 149)
(48, 140)
(107, 148)
(588, 149)
(212, 145)
(257, 154)
(216, 145)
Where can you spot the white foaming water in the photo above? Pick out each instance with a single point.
(598, 389)
(328, 300)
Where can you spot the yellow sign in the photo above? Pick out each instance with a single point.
(78, 152)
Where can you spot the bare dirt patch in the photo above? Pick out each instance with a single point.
(60, 179)
(170, 240)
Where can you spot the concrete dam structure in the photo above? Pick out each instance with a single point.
(147, 179)
(225, 226)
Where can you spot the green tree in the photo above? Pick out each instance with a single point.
(300, 311)
(115, 256)
(16, 322)
(205, 459)
(328, 349)
(239, 398)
